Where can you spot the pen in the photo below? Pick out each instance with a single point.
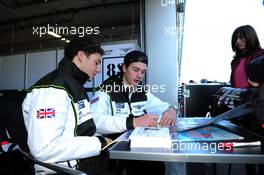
(241, 144)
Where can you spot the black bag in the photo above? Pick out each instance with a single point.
(227, 98)
(255, 70)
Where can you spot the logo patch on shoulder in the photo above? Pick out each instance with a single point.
(46, 113)
(120, 105)
(138, 106)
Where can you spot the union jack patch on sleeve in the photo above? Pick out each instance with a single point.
(46, 113)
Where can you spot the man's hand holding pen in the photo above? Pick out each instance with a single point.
(168, 117)
(146, 120)
(150, 120)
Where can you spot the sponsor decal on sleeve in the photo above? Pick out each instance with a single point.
(80, 104)
(94, 100)
(120, 105)
(138, 107)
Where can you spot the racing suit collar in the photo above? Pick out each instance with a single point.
(68, 66)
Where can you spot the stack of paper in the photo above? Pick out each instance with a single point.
(148, 137)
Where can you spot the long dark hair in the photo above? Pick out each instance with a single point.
(251, 38)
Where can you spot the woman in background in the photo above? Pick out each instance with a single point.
(246, 46)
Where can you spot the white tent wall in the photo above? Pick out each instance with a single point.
(12, 71)
(161, 48)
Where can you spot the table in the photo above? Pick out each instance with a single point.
(249, 155)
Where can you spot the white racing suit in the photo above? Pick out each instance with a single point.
(58, 119)
(114, 101)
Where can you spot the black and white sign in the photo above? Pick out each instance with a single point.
(111, 66)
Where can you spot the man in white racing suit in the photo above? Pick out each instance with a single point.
(122, 97)
(57, 113)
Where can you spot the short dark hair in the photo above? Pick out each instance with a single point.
(255, 70)
(252, 41)
(88, 45)
(135, 56)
